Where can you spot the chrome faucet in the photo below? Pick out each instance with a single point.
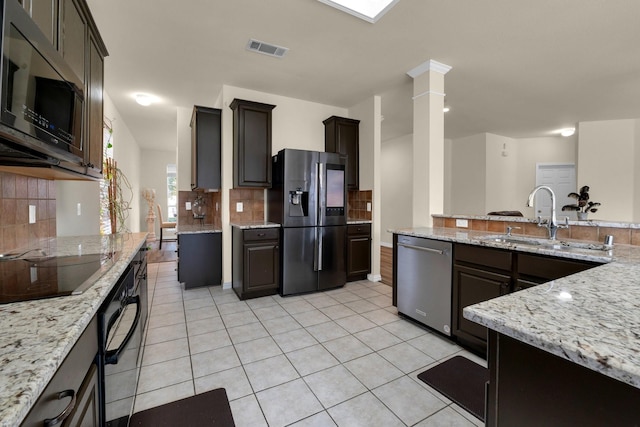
(552, 224)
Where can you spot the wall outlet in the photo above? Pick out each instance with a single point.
(239, 207)
(368, 206)
(32, 214)
(463, 223)
(79, 209)
(187, 206)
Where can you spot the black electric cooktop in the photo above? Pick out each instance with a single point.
(46, 277)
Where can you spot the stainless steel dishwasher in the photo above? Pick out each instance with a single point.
(424, 281)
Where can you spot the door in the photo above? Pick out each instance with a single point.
(298, 255)
(561, 177)
(332, 271)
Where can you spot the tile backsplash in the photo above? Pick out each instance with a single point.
(212, 206)
(357, 204)
(252, 200)
(17, 192)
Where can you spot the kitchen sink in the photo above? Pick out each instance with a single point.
(545, 243)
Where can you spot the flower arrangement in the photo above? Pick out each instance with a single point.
(583, 204)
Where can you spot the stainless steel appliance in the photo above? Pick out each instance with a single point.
(121, 322)
(424, 281)
(308, 198)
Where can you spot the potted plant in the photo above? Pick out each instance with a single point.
(583, 206)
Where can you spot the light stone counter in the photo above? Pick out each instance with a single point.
(37, 335)
(197, 229)
(591, 318)
(255, 224)
(358, 221)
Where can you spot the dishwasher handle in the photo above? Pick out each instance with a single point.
(420, 248)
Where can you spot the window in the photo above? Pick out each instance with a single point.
(172, 193)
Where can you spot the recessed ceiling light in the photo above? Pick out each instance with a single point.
(145, 99)
(567, 131)
(369, 10)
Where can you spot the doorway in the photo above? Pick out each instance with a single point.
(561, 177)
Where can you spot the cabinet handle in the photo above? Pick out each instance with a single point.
(50, 422)
(261, 234)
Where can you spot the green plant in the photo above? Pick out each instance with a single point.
(583, 204)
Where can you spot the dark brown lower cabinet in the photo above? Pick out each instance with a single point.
(358, 251)
(481, 273)
(199, 259)
(256, 262)
(531, 387)
(76, 378)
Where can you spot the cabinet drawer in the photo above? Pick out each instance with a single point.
(485, 257)
(261, 234)
(359, 229)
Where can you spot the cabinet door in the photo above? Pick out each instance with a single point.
(205, 148)
(45, 14)
(95, 87)
(471, 286)
(358, 256)
(73, 36)
(261, 265)
(251, 144)
(342, 136)
(87, 410)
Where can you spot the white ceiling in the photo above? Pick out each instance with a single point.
(521, 68)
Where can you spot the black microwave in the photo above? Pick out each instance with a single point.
(42, 99)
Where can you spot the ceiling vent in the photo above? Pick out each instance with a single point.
(267, 49)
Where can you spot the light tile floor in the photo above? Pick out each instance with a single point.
(336, 358)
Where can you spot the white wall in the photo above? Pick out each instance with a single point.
(127, 154)
(551, 149)
(397, 185)
(501, 174)
(68, 195)
(154, 166)
(468, 175)
(370, 130)
(183, 147)
(636, 177)
(607, 164)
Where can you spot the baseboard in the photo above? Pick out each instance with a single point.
(374, 277)
(226, 285)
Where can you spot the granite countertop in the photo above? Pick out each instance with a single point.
(358, 221)
(197, 229)
(590, 222)
(255, 224)
(591, 318)
(37, 335)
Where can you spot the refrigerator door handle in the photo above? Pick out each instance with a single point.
(315, 249)
(320, 251)
(321, 193)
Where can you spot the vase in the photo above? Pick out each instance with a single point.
(583, 216)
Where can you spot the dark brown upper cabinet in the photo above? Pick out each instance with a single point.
(251, 144)
(205, 148)
(341, 135)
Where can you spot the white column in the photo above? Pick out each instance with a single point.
(428, 141)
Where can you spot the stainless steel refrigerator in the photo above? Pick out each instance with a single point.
(309, 199)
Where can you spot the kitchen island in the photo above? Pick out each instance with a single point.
(553, 345)
(37, 335)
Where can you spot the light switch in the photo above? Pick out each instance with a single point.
(187, 206)
(239, 207)
(32, 214)
(368, 206)
(79, 209)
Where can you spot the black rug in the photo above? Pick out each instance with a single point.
(462, 381)
(206, 409)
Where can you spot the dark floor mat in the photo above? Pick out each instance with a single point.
(206, 409)
(462, 381)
